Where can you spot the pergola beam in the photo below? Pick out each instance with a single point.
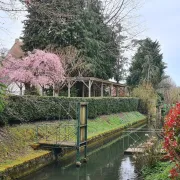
(89, 81)
(95, 80)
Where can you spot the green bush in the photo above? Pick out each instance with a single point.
(159, 172)
(148, 99)
(33, 108)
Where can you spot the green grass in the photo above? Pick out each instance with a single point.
(108, 123)
(15, 141)
(159, 172)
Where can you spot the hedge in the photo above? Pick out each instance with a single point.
(33, 108)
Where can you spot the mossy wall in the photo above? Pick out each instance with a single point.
(27, 167)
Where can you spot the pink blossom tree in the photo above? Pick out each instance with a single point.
(39, 68)
(9, 72)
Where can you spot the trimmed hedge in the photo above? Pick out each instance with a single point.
(33, 108)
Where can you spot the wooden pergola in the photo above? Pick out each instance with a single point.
(120, 89)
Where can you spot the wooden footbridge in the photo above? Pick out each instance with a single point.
(68, 133)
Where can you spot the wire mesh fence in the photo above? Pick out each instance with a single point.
(61, 130)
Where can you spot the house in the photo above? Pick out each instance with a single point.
(17, 52)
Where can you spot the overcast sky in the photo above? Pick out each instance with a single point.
(162, 19)
(162, 22)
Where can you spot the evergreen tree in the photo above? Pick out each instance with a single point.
(122, 61)
(147, 65)
(60, 23)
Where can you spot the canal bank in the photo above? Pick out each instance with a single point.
(33, 163)
(108, 162)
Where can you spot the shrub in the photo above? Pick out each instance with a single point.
(172, 139)
(148, 99)
(33, 108)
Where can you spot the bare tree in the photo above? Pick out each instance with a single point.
(3, 52)
(73, 64)
(123, 13)
(167, 83)
(10, 6)
(172, 95)
(9, 10)
(170, 91)
(116, 12)
(123, 17)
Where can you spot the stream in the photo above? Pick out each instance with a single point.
(106, 163)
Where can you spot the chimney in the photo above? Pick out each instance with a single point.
(16, 40)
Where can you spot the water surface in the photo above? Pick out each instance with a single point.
(108, 163)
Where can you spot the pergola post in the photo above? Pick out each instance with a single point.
(83, 90)
(54, 90)
(126, 91)
(69, 89)
(94, 91)
(89, 87)
(111, 90)
(102, 90)
(117, 91)
(89, 82)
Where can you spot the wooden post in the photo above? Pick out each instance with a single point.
(102, 90)
(116, 91)
(69, 89)
(89, 88)
(83, 90)
(94, 93)
(54, 91)
(119, 91)
(111, 90)
(126, 91)
(82, 132)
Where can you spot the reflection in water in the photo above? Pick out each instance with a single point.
(108, 163)
(127, 169)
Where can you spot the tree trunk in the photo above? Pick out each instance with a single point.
(27, 89)
(20, 91)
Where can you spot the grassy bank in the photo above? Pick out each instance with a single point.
(159, 172)
(110, 122)
(15, 141)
